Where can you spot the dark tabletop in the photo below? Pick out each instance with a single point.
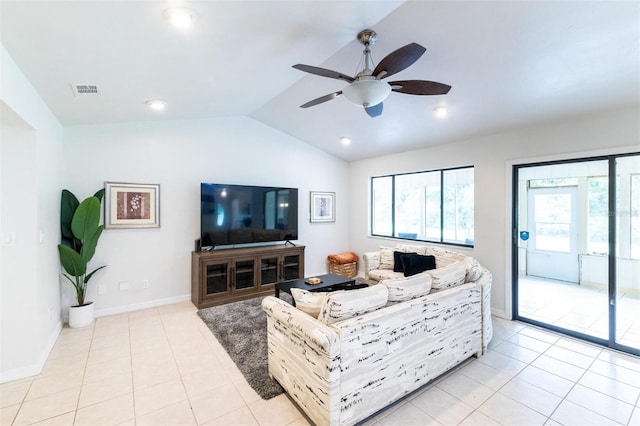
(329, 282)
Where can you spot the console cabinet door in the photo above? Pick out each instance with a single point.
(269, 269)
(243, 274)
(292, 267)
(216, 277)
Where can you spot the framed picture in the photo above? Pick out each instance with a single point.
(323, 207)
(131, 205)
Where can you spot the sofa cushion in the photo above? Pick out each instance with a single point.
(415, 263)
(344, 304)
(474, 270)
(449, 276)
(401, 289)
(384, 274)
(386, 258)
(397, 261)
(443, 256)
(308, 301)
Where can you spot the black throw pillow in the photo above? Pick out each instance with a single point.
(415, 263)
(397, 261)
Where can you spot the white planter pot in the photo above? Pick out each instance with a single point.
(81, 316)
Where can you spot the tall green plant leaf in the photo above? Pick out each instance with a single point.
(85, 220)
(68, 205)
(100, 194)
(71, 261)
(89, 246)
(90, 274)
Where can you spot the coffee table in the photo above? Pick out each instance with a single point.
(330, 282)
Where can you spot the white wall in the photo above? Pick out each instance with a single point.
(179, 155)
(492, 156)
(30, 147)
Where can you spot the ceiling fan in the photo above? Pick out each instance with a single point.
(367, 88)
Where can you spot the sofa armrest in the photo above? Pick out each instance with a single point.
(371, 262)
(484, 282)
(304, 357)
(319, 336)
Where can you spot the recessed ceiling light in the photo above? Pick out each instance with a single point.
(440, 111)
(345, 140)
(180, 17)
(156, 104)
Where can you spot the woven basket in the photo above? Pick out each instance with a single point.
(348, 269)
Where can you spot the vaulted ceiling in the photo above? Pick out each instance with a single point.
(510, 63)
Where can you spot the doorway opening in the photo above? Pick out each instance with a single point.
(576, 248)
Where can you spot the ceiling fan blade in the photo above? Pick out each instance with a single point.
(375, 110)
(323, 72)
(398, 60)
(420, 87)
(322, 99)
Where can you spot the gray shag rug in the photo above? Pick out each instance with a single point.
(241, 328)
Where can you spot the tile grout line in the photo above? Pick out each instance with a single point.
(173, 355)
(22, 401)
(518, 374)
(133, 385)
(84, 371)
(575, 383)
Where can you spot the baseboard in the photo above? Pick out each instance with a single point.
(499, 313)
(34, 369)
(142, 305)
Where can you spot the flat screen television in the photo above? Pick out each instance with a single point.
(241, 214)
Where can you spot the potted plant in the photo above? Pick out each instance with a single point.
(79, 224)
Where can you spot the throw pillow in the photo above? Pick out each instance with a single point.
(449, 276)
(401, 289)
(344, 304)
(386, 257)
(415, 263)
(397, 261)
(308, 301)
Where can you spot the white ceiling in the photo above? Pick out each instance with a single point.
(510, 63)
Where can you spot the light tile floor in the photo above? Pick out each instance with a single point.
(580, 308)
(163, 366)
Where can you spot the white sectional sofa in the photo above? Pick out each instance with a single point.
(362, 354)
(379, 265)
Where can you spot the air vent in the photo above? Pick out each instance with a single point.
(84, 89)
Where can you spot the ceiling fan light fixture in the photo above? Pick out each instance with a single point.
(180, 17)
(367, 92)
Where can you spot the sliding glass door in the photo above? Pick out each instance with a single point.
(576, 248)
(626, 291)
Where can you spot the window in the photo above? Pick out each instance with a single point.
(598, 215)
(435, 206)
(382, 193)
(552, 218)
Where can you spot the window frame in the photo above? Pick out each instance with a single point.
(393, 207)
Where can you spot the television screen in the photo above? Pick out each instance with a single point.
(240, 214)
